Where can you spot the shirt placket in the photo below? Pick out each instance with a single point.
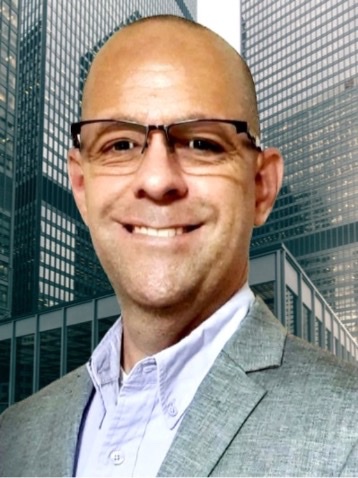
(125, 426)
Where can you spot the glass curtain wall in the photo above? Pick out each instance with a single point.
(304, 59)
(8, 83)
(54, 261)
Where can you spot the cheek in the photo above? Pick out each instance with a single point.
(238, 215)
(236, 200)
(101, 195)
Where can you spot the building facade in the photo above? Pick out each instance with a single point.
(54, 261)
(8, 79)
(304, 60)
(39, 348)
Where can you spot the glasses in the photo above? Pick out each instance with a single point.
(196, 144)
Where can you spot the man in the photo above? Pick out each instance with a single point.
(197, 378)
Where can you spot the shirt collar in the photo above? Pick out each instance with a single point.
(181, 367)
(104, 365)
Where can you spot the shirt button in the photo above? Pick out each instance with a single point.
(148, 367)
(172, 410)
(117, 457)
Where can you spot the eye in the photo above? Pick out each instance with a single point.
(205, 145)
(123, 145)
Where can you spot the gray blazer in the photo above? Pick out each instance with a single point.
(271, 405)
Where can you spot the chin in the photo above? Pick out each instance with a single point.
(158, 301)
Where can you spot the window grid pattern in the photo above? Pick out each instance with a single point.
(58, 40)
(57, 258)
(304, 60)
(8, 62)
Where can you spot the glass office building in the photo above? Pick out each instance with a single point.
(54, 261)
(304, 60)
(8, 65)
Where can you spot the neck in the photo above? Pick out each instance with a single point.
(147, 333)
(148, 330)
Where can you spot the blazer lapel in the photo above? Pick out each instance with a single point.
(220, 407)
(227, 395)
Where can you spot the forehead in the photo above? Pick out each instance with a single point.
(141, 80)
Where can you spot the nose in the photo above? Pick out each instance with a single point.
(159, 176)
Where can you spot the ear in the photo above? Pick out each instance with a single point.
(268, 182)
(77, 180)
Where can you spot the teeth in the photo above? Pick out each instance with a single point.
(149, 231)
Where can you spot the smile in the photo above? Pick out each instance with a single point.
(160, 232)
(150, 231)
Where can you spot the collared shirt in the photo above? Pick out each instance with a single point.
(132, 419)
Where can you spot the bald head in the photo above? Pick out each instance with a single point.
(161, 45)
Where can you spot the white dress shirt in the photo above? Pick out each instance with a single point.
(132, 420)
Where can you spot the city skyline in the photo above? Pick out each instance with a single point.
(62, 298)
(53, 261)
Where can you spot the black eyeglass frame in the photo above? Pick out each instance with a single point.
(241, 127)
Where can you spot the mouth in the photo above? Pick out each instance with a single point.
(160, 232)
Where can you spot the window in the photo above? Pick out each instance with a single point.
(24, 366)
(291, 311)
(306, 324)
(5, 350)
(78, 344)
(50, 356)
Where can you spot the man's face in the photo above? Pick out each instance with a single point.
(166, 237)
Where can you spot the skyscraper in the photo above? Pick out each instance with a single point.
(8, 64)
(304, 60)
(54, 261)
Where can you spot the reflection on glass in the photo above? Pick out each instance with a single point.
(328, 340)
(337, 347)
(24, 370)
(50, 356)
(291, 311)
(306, 324)
(318, 332)
(5, 350)
(78, 345)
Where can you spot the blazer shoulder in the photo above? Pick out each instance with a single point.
(317, 373)
(46, 422)
(61, 389)
(300, 353)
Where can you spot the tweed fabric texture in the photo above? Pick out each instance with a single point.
(38, 436)
(272, 405)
